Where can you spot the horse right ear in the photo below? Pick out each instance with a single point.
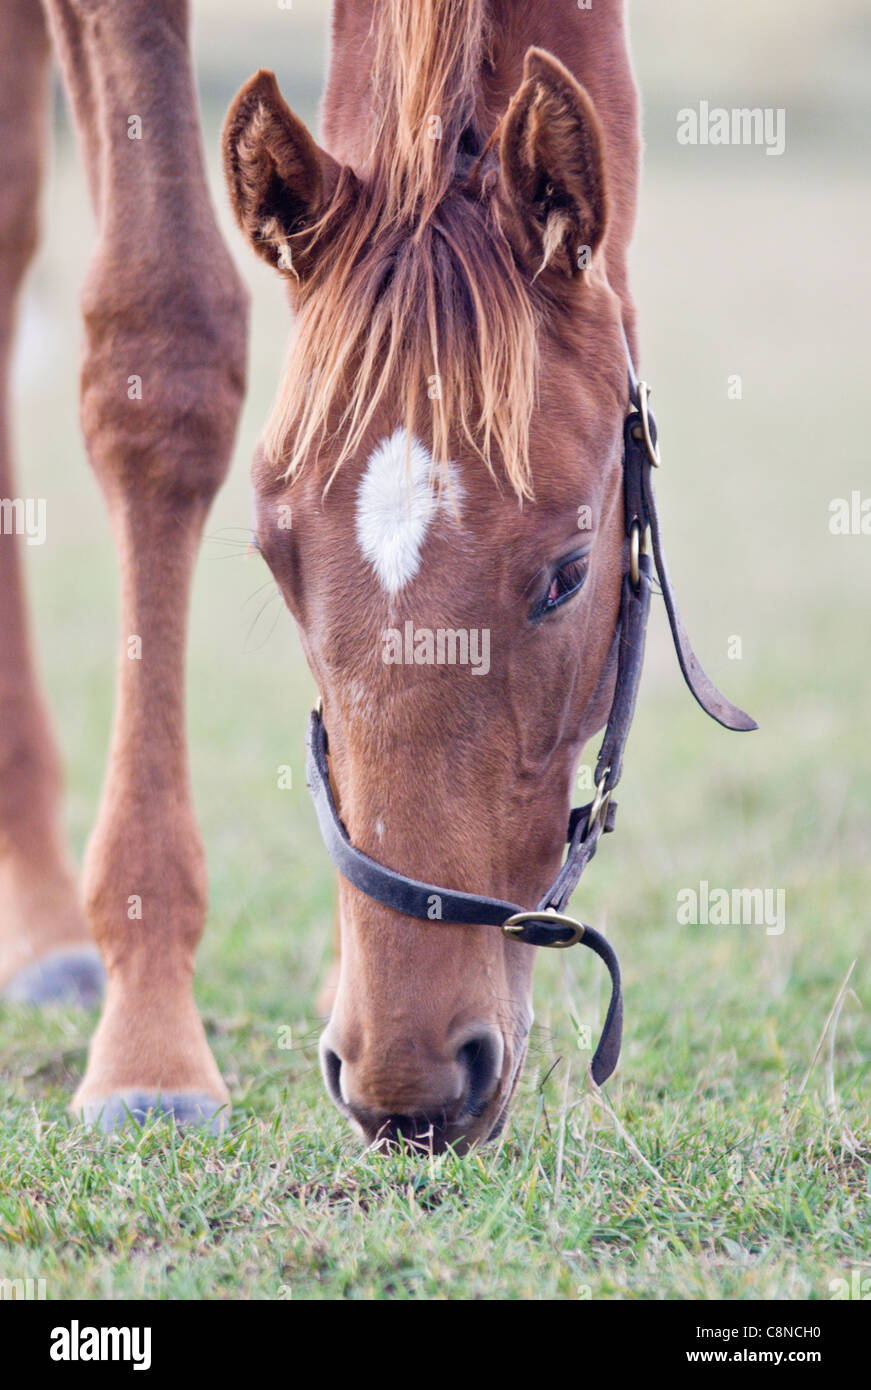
(280, 181)
(553, 175)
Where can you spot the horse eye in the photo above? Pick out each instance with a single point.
(567, 581)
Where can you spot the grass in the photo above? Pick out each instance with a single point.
(720, 1162)
(717, 1180)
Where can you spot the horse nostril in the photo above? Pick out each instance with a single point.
(481, 1057)
(331, 1067)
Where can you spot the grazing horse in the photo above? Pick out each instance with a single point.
(439, 495)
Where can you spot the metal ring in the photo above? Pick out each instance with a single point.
(514, 926)
(643, 399)
(635, 549)
(599, 804)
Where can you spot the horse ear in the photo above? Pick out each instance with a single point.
(280, 181)
(551, 153)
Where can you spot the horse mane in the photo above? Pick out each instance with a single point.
(428, 57)
(413, 288)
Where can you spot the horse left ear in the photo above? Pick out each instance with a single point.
(553, 182)
(280, 181)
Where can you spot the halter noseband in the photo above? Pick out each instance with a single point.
(547, 925)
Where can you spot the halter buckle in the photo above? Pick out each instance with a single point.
(548, 920)
(637, 548)
(644, 410)
(599, 805)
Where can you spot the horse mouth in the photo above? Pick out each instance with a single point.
(424, 1137)
(421, 1134)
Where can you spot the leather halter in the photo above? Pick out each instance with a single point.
(547, 925)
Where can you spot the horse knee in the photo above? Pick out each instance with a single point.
(163, 375)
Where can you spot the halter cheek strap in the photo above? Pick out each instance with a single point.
(547, 924)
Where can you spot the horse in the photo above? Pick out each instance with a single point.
(458, 455)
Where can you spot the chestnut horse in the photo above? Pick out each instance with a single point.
(452, 413)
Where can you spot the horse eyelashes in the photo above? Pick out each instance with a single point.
(566, 582)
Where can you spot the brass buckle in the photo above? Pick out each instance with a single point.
(514, 926)
(643, 405)
(637, 548)
(599, 806)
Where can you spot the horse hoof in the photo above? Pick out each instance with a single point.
(111, 1113)
(70, 976)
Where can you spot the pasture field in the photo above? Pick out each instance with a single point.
(731, 1155)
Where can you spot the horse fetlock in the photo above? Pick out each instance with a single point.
(40, 919)
(40, 912)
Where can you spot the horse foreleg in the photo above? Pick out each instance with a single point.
(162, 384)
(45, 949)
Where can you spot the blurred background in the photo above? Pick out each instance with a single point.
(743, 265)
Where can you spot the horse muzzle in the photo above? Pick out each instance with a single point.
(430, 1099)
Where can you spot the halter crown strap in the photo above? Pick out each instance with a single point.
(547, 925)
